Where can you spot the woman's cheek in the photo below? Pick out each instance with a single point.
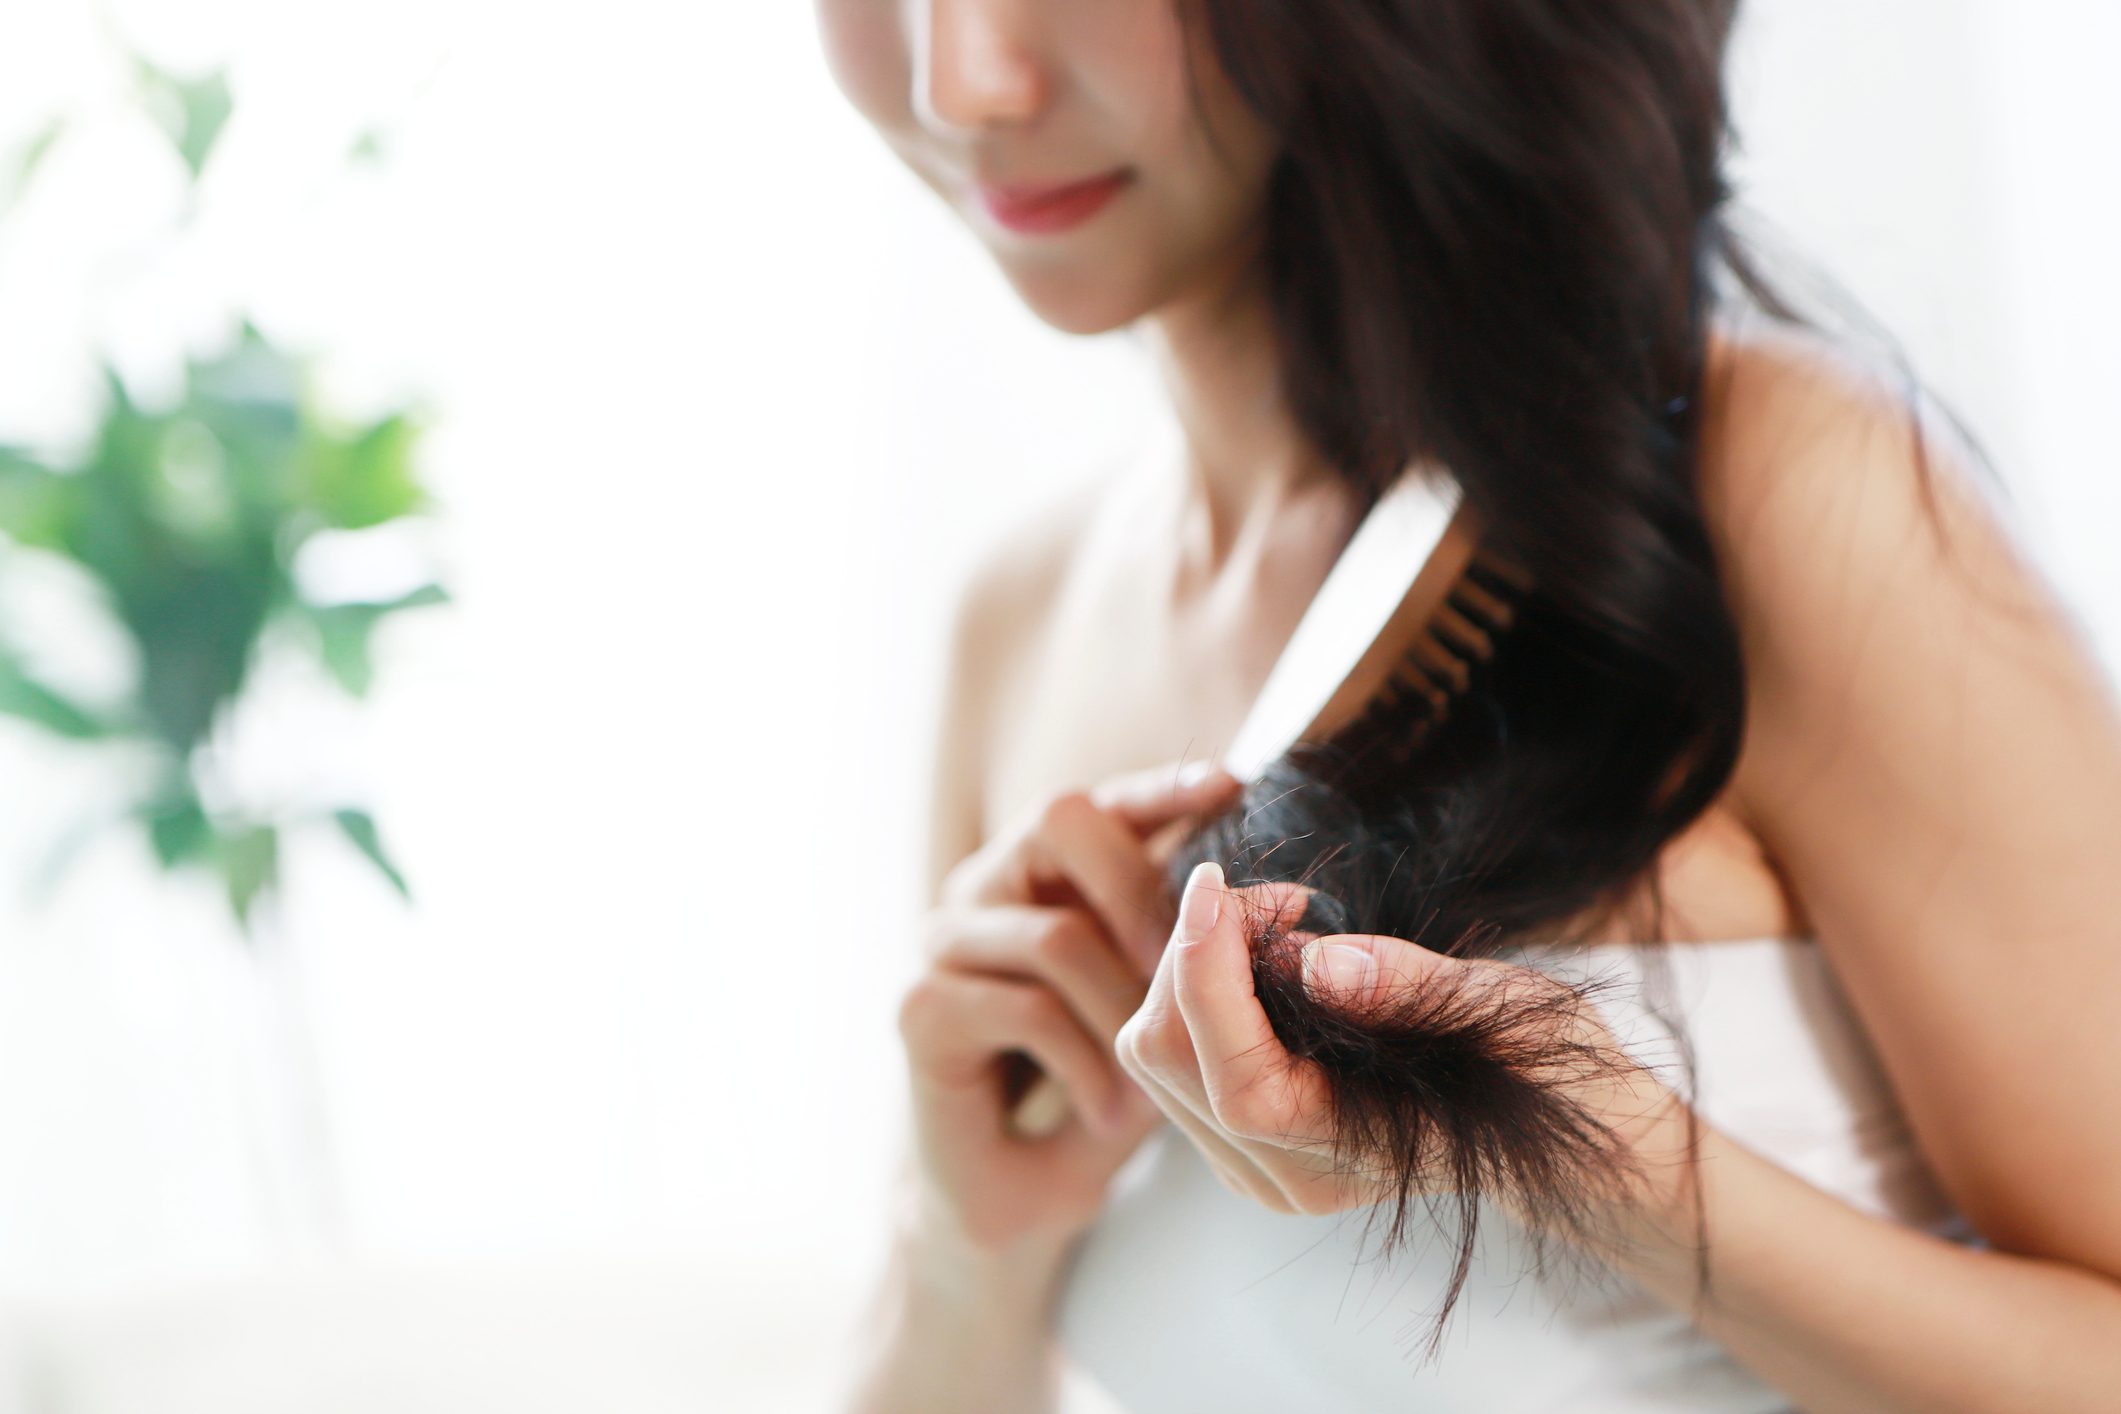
(866, 52)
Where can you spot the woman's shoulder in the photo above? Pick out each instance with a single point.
(1794, 414)
(1001, 602)
(1833, 487)
(1935, 752)
(1009, 585)
(1809, 445)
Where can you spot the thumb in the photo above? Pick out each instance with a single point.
(1356, 970)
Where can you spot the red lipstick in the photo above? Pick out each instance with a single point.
(1041, 209)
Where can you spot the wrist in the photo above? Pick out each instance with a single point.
(1650, 1200)
(958, 1330)
(1658, 1197)
(1016, 1280)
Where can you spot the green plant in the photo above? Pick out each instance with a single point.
(188, 520)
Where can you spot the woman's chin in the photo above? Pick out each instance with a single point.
(1074, 309)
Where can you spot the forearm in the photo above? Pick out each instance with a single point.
(952, 1333)
(1842, 1310)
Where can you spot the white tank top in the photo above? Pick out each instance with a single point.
(1187, 1297)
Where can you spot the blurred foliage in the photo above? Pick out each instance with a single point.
(188, 520)
(191, 111)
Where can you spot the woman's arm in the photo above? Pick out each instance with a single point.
(947, 1329)
(1936, 763)
(951, 1328)
(1844, 1311)
(1934, 760)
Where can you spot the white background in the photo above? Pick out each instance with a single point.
(725, 402)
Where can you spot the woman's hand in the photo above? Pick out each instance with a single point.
(1043, 943)
(1203, 1049)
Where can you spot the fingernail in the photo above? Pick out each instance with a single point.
(1340, 968)
(1193, 773)
(1202, 903)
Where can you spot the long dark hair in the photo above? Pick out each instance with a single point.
(1495, 239)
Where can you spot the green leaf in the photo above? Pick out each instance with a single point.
(366, 479)
(344, 632)
(36, 503)
(177, 827)
(22, 695)
(65, 851)
(342, 640)
(368, 148)
(250, 864)
(16, 462)
(197, 629)
(425, 595)
(191, 111)
(22, 166)
(360, 827)
(31, 155)
(251, 397)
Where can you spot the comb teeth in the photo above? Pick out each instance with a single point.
(1480, 606)
(1457, 629)
(1499, 574)
(1490, 610)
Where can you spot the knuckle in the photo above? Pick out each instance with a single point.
(957, 881)
(1032, 1010)
(1061, 941)
(1270, 1198)
(1306, 1204)
(1126, 1048)
(1232, 1114)
(1153, 1046)
(1063, 811)
(1309, 1193)
(1246, 1114)
(917, 1008)
(936, 931)
(1316, 1200)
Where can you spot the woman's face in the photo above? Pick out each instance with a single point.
(981, 94)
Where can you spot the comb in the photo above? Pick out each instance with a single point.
(1413, 605)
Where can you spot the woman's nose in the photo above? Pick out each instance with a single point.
(975, 64)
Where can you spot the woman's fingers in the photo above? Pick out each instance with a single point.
(1074, 851)
(1253, 1086)
(1308, 1179)
(1087, 846)
(1153, 1047)
(1146, 801)
(1062, 947)
(1204, 1047)
(1013, 907)
(1237, 1171)
(955, 1025)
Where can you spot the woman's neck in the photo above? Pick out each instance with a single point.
(1246, 460)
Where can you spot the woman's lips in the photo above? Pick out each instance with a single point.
(1040, 210)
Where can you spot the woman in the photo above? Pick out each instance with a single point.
(1815, 720)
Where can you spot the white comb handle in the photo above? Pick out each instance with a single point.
(1360, 595)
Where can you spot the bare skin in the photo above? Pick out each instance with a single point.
(1185, 585)
(1930, 784)
(1101, 664)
